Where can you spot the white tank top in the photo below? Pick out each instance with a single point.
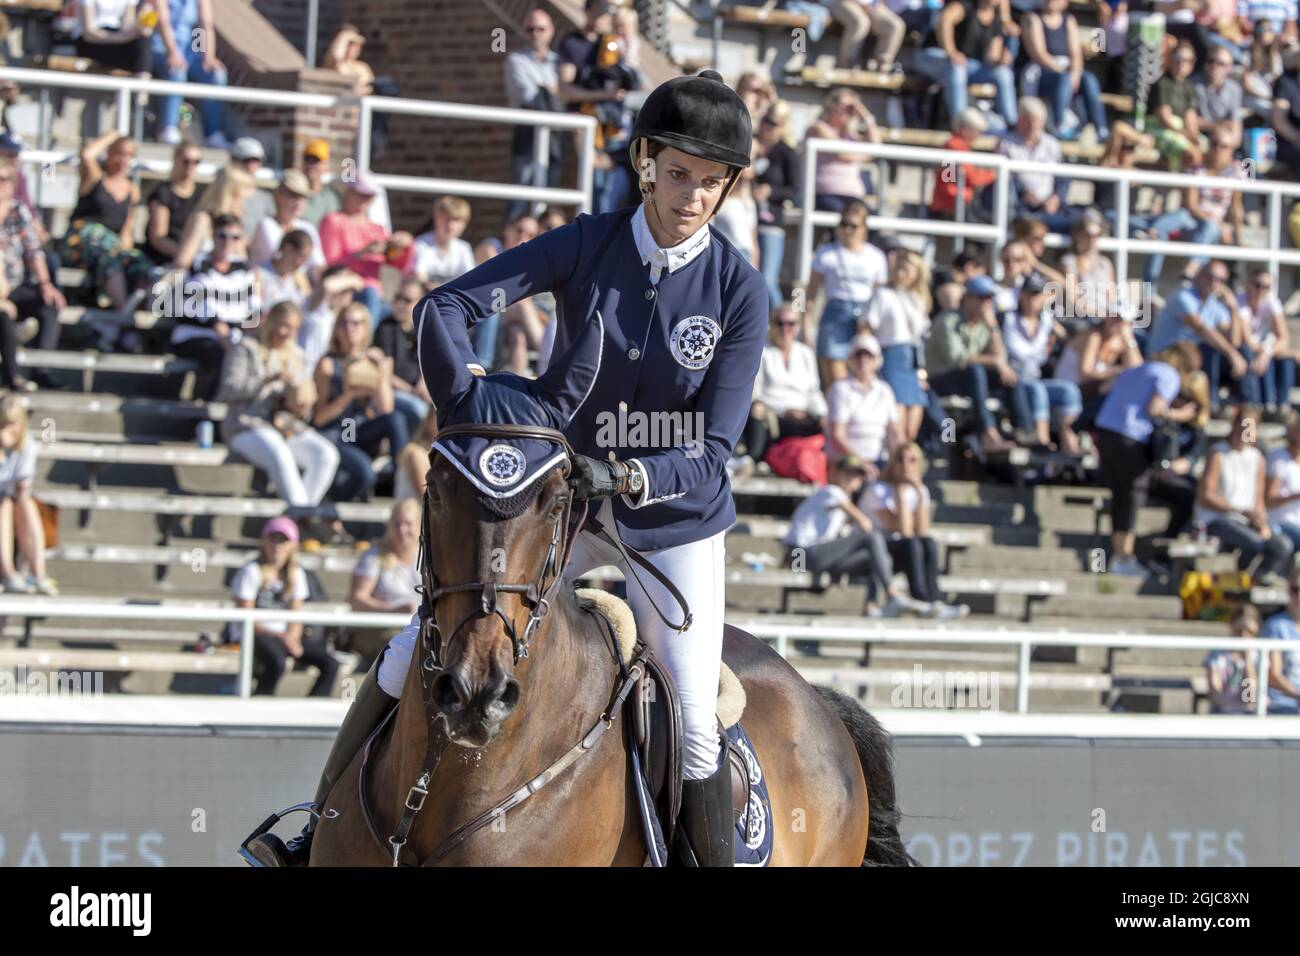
(1238, 479)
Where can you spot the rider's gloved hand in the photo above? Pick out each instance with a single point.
(594, 478)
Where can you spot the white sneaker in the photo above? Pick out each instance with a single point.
(740, 466)
(950, 612)
(217, 140)
(170, 135)
(16, 584)
(897, 606)
(1128, 568)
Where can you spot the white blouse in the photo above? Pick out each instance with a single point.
(850, 275)
(1238, 480)
(896, 317)
(795, 388)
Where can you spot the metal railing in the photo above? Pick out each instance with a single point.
(132, 94)
(778, 634)
(996, 233)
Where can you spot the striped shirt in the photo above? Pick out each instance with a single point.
(212, 295)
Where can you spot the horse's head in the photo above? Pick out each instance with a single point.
(496, 525)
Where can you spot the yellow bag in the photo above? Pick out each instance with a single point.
(1214, 596)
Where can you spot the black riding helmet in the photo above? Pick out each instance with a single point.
(699, 115)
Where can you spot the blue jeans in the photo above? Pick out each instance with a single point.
(411, 407)
(771, 251)
(1249, 388)
(356, 475)
(483, 337)
(1290, 530)
(213, 112)
(1189, 229)
(1050, 398)
(934, 63)
(1277, 382)
(1057, 91)
(373, 300)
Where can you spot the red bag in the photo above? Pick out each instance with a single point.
(799, 456)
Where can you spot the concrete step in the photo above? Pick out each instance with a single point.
(1087, 609)
(1006, 559)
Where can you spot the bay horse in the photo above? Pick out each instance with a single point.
(535, 780)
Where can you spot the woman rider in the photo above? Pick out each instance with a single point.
(684, 320)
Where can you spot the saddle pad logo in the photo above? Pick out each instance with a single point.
(502, 465)
(693, 341)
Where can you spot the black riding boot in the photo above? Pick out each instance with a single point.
(370, 706)
(706, 832)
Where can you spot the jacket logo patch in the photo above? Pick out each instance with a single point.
(502, 465)
(693, 341)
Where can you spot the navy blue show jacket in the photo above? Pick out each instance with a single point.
(688, 346)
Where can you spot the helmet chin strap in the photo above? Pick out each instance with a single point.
(641, 149)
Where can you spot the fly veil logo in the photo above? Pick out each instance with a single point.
(77, 909)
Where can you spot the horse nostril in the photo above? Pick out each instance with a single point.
(510, 695)
(448, 692)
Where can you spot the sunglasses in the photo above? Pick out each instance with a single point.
(853, 226)
(1217, 277)
(787, 323)
(229, 236)
(535, 29)
(278, 539)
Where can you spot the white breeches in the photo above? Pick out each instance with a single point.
(693, 658)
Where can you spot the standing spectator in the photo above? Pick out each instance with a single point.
(963, 350)
(1232, 505)
(1284, 666)
(1140, 398)
(1029, 334)
(387, 575)
(967, 127)
(31, 292)
(284, 279)
(396, 337)
(1266, 336)
(971, 49)
(1282, 491)
(101, 235)
(343, 56)
(1037, 194)
(441, 254)
(171, 204)
(1231, 673)
(290, 200)
(1171, 112)
(322, 197)
(268, 389)
(839, 176)
(1204, 315)
(862, 415)
(1089, 274)
(412, 466)
(226, 195)
(355, 408)
(533, 83)
(835, 537)
(221, 297)
(899, 316)
(274, 579)
(1053, 44)
(1219, 99)
(850, 268)
(20, 520)
(776, 165)
(787, 398)
(859, 18)
(111, 33)
(350, 238)
(176, 58)
(899, 503)
(1096, 356)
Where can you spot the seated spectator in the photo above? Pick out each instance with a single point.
(787, 398)
(20, 520)
(849, 268)
(776, 187)
(862, 416)
(11, 148)
(1282, 491)
(737, 219)
(899, 504)
(387, 575)
(532, 83)
(1141, 397)
(1214, 26)
(171, 204)
(971, 48)
(29, 287)
(967, 127)
(343, 56)
(1036, 195)
(224, 196)
(1029, 335)
(268, 389)
(322, 198)
(918, 16)
(101, 234)
(1171, 112)
(351, 238)
(1089, 274)
(290, 199)
(1018, 264)
(284, 279)
(441, 254)
(834, 537)
(221, 296)
(1231, 503)
(964, 349)
(1096, 356)
(1262, 73)
(1219, 99)
(1264, 333)
(950, 284)
(176, 58)
(859, 18)
(756, 92)
(487, 336)
(111, 33)
(898, 315)
(1121, 153)
(274, 579)
(354, 407)
(523, 330)
(249, 155)
(1286, 120)
(396, 337)
(1053, 44)
(1284, 666)
(1231, 673)
(839, 176)
(336, 290)
(412, 466)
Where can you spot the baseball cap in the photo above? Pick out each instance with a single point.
(1034, 284)
(10, 142)
(295, 181)
(865, 343)
(317, 149)
(281, 525)
(364, 185)
(982, 286)
(247, 148)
